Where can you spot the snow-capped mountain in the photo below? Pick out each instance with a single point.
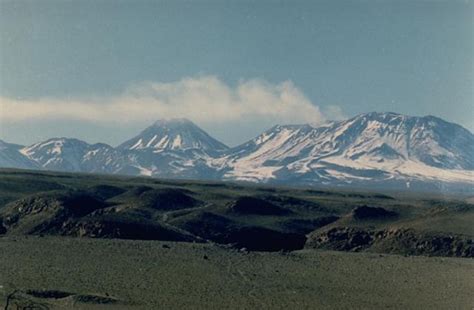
(375, 149)
(57, 154)
(174, 135)
(175, 148)
(64, 154)
(385, 147)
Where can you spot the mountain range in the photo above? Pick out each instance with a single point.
(376, 150)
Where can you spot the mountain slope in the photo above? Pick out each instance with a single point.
(11, 157)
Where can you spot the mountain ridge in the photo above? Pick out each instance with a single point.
(366, 149)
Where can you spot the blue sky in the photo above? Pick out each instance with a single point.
(114, 58)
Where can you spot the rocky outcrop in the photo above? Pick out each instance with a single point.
(394, 241)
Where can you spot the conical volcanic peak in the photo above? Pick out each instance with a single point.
(174, 134)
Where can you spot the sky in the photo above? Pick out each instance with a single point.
(103, 70)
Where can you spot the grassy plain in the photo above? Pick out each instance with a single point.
(92, 241)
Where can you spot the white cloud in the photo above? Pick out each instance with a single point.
(202, 99)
